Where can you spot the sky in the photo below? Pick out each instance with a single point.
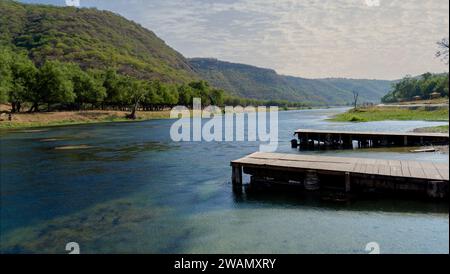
(370, 39)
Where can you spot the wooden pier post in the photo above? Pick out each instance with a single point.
(436, 189)
(312, 181)
(236, 177)
(348, 187)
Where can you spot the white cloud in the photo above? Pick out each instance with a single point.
(310, 38)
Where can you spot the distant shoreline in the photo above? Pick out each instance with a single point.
(381, 113)
(67, 118)
(437, 129)
(25, 120)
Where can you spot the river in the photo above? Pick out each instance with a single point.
(130, 189)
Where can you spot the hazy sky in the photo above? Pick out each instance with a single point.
(383, 39)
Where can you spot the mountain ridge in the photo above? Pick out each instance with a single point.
(261, 83)
(102, 39)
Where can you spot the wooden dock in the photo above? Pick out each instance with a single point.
(350, 174)
(310, 138)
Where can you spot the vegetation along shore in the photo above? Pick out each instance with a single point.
(370, 114)
(438, 129)
(62, 118)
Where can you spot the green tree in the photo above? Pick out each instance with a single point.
(151, 98)
(5, 74)
(185, 94)
(164, 95)
(24, 75)
(54, 85)
(170, 95)
(201, 90)
(116, 88)
(136, 94)
(409, 87)
(216, 97)
(87, 87)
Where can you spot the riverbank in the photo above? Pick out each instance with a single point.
(438, 129)
(391, 113)
(65, 118)
(47, 119)
(438, 101)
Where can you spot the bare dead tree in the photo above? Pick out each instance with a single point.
(355, 98)
(443, 50)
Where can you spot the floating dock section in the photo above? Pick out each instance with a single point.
(309, 138)
(348, 174)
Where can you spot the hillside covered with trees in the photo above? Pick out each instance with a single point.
(91, 38)
(66, 86)
(411, 88)
(260, 83)
(64, 58)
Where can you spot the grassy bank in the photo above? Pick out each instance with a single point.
(438, 129)
(425, 102)
(391, 113)
(47, 119)
(64, 118)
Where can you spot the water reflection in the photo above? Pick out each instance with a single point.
(332, 200)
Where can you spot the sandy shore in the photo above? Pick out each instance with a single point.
(41, 119)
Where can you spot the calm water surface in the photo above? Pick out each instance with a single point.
(132, 190)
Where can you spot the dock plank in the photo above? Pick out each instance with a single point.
(396, 171)
(443, 170)
(395, 168)
(415, 169)
(392, 168)
(383, 168)
(371, 133)
(430, 171)
(405, 169)
(359, 168)
(372, 168)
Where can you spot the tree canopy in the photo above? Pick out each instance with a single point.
(410, 87)
(59, 85)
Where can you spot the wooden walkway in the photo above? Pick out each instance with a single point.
(397, 168)
(368, 133)
(312, 137)
(361, 169)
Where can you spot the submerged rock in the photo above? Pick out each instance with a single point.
(73, 147)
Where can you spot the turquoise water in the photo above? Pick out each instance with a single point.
(130, 189)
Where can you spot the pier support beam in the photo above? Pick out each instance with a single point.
(348, 186)
(350, 142)
(312, 181)
(236, 176)
(437, 189)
